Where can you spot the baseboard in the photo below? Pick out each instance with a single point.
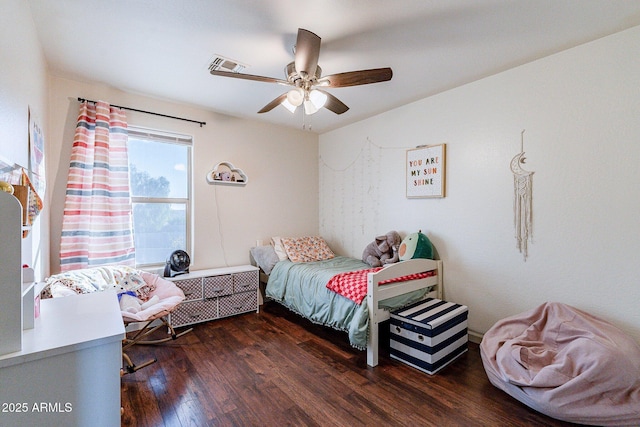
(475, 337)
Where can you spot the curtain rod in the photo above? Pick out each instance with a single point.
(148, 112)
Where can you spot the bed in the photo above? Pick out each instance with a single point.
(303, 286)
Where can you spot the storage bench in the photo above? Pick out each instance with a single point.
(216, 293)
(429, 334)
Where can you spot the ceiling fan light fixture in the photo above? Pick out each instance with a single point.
(317, 98)
(309, 108)
(295, 97)
(314, 101)
(289, 106)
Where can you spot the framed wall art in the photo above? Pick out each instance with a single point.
(425, 167)
(36, 155)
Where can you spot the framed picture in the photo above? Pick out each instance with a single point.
(426, 171)
(36, 155)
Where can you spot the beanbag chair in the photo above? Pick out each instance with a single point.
(567, 364)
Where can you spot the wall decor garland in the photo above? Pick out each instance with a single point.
(352, 191)
(522, 201)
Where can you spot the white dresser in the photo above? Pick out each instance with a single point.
(68, 371)
(216, 293)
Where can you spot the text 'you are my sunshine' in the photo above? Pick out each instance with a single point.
(424, 175)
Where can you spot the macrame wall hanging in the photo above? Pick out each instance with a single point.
(523, 201)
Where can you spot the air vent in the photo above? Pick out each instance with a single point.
(221, 63)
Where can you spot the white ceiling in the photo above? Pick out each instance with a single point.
(162, 48)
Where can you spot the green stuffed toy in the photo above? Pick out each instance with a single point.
(416, 245)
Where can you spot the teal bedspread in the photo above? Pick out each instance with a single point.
(302, 287)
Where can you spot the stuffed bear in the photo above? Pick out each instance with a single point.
(383, 250)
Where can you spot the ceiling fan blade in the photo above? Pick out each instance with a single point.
(334, 104)
(273, 104)
(307, 52)
(249, 77)
(356, 78)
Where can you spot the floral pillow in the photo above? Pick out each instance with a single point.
(307, 249)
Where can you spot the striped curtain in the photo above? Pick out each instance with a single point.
(97, 226)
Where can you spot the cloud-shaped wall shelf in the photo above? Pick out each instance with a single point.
(224, 173)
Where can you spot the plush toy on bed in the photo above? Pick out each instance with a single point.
(383, 250)
(416, 245)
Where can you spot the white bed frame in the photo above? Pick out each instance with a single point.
(377, 293)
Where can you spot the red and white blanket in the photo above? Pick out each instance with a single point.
(353, 284)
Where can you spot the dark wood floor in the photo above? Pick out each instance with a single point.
(276, 369)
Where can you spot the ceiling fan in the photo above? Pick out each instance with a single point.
(305, 76)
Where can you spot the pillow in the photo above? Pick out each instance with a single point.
(277, 246)
(265, 257)
(134, 282)
(307, 249)
(416, 245)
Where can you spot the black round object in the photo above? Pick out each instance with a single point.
(177, 263)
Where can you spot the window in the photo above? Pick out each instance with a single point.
(160, 175)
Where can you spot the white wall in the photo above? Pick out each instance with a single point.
(580, 109)
(23, 90)
(282, 165)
